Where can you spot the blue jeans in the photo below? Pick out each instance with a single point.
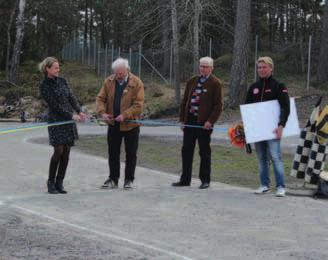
(267, 150)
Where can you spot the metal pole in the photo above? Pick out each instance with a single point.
(94, 53)
(112, 59)
(171, 61)
(98, 65)
(211, 47)
(83, 47)
(152, 66)
(139, 72)
(255, 57)
(106, 61)
(119, 52)
(130, 56)
(89, 55)
(309, 64)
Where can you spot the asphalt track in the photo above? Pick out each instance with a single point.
(152, 221)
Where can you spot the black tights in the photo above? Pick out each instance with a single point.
(59, 161)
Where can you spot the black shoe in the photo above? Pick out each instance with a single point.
(127, 185)
(59, 187)
(180, 184)
(204, 185)
(51, 187)
(109, 183)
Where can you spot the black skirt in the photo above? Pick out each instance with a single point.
(63, 134)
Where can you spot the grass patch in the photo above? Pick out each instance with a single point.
(229, 165)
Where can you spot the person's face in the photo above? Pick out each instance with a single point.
(53, 71)
(205, 70)
(264, 70)
(120, 73)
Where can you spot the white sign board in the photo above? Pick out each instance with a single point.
(260, 120)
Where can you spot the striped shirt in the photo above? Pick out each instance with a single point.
(195, 96)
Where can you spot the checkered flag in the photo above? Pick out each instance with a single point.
(302, 154)
(303, 151)
(316, 162)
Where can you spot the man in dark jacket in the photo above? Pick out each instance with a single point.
(265, 89)
(200, 108)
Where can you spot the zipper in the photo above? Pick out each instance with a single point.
(263, 87)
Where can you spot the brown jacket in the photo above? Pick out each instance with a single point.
(131, 102)
(211, 100)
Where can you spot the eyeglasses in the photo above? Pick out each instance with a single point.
(204, 66)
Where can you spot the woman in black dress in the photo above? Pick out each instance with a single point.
(61, 103)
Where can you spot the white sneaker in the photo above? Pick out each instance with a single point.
(280, 192)
(262, 190)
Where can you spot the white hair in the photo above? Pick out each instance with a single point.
(120, 63)
(207, 61)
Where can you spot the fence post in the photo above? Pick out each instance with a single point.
(98, 59)
(119, 52)
(309, 64)
(112, 59)
(171, 60)
(255, 57)
(139, 72)
(130, 57)
(94, 53)
(210, 47)
(83, 47)
(89, 54)
(106, 61)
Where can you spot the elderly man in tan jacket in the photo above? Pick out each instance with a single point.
(121, 99)
(200, 108)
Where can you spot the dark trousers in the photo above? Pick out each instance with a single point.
(114, 140)
(189, 141)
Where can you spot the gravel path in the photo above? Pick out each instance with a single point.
(152, 221)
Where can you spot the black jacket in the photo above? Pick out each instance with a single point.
(270, 89)
(60, 100)
(61, 103)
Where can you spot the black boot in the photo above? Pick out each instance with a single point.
(59, 186)
(51, 187)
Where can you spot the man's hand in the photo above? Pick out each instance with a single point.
(119, 118)
(207, 125)
(278, 131)
(107, 117)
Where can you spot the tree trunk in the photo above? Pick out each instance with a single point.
(322, 74)
(197, 8)
(15, 59)
(86, 22)
(238, 82)
(12, 15)
(175, 42)
(166, 43)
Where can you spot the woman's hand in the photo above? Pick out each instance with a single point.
(83, 116)
(76, 118)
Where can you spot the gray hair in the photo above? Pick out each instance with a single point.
(120, 63)
(47, 63)
(207, 61)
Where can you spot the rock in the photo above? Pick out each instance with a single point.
(2, 110)
(2, 100)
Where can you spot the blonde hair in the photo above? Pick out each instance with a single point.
(266, 60)
(47, 63)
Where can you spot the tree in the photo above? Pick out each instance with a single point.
(322, 74)
(175, 43)
(238, 81)
(12, 15)
(15, 59)
(197, 10)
